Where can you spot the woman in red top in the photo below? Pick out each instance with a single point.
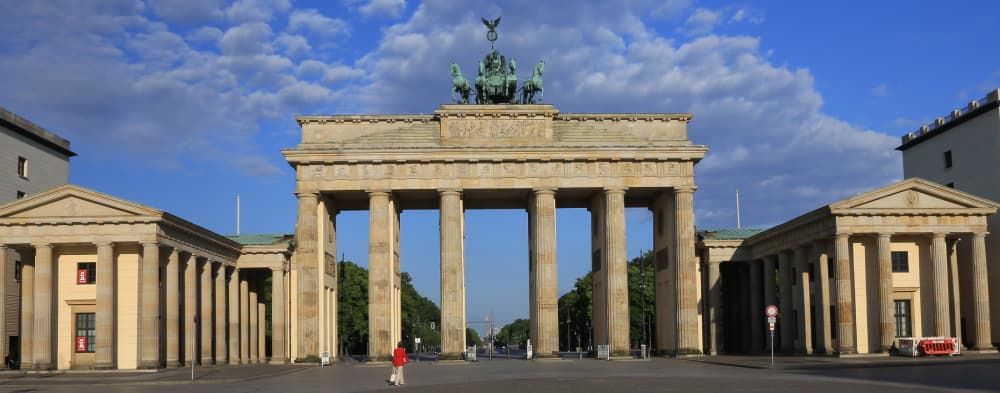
(399, 359)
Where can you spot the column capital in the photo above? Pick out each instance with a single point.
(380, 192)
(277, 269)
(307, 194)
(884, 234)
(544, 190)
(450, 191)
(41, 245)
(685, 189)
(937, 235)
(980, 234)
(842, 235)
(150, 244)
(103, 242)
(614, 190)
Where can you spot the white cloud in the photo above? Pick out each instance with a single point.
(292, 45)
(880, 90)
(256, 10)
(749, 15)
(311, 21)
(205, 34)
(389, 8)
(188, 11)
(253, 38)
(702, 21)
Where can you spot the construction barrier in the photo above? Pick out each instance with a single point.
(928, 346)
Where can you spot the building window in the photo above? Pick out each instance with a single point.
(85, 272)
(902, 318)
(20, 194)
(900, 262)
(22, 167)
(947, 159)
(85, 326)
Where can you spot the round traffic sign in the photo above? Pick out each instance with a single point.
(771, 311)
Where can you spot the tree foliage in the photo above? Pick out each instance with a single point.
(515, 333)
(472, 337)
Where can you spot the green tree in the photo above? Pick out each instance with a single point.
(472, 338)
(352, 307)
(419, 313)
(515, 333)
(637, 266)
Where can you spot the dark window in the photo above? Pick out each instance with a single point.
(831, 267)
(900, 262)
(20, 194)
(947, 159)
(17, 271)
(22, 167)
(902, 318)
(85, 326)
(951, 185)
(833, 322)
(85, 272)
(812, 272)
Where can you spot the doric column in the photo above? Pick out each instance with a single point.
(149, 319)
(173, 301)
(770, 295)
(821, 258)
(939, 262)
(27, 315)
(542, 268)
(617, 272)
(756, 307)
(42, 333)
(254, 327)
(261, 334)
(956, 298)
(452, 275)
(233, 286)
(687, 275)
(104, 345)
(715, 307)
(278, 317)
(380, 277)
(845, 299)
(5, 262)
(219, 310)
(803, 343)
(887, 320)
(981, 294)
(190, 308)
(244, 319)
(786, 320)
(307, 265)
(205, 313)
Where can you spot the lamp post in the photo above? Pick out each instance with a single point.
(642, 288)
(568, 348)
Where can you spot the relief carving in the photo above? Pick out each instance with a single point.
(496, 128)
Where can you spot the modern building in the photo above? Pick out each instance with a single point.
(107, 283)
(33, 159)
(905, 260)
(962, 150)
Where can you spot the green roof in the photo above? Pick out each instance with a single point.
(728, 233)
(258, 239)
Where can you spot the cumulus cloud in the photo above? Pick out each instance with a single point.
(390, 8)
(188, 11)
(880, 90)
(702, 21)
(256, 10)
(311, 21)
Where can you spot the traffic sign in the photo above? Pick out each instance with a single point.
(771, 311)
(417, 340)
(770, 326)
(772, 320)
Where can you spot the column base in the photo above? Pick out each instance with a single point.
(450, 356)
(149, 365)
(107, 366)
(688, 352)
(550, 355)
(278, 361)
(42, 366)
(174, 363)
(378, 359)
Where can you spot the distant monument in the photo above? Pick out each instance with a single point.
(496, 82)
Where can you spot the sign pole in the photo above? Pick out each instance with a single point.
(772, 347)
(772, 317)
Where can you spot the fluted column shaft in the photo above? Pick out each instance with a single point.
(27, 315)
(278, 317)
(307, 264)
(981, 293)
(887, 319)
(687, 274)
(104, 335)
(845, 298)
(452, 275)
(756, 307)
(786, 320)
(804, 343)
(261, 333)
(42, 334)
(219, 311)
(822, 259)
(617, 271)
(244, 319)
(380, 277)
(173, 321)
(233, 286)
(715, 307)
(190, 308)
(939, 262)
(254, 327)
(545, 326)
(4, 263)
(149, 290)
(205, 314)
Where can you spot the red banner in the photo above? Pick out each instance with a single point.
(81, 343)
(81, 276)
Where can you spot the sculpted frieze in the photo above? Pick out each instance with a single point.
(492, 169)
(496, 128)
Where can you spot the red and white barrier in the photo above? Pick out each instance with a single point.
(928, 346)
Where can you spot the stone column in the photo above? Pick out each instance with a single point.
(42, 333)
(715, 307)
(939, 261)
(770, 297)
(244, 320)
(786, 321)
(190, 308)
(233, 286)
(254, 327)
(380, 277)
(205, 314)
(845, 299)
(220, 314)
(278, 317)
(149, 292)
(756, 307)
(687, 275)
(956, 298)
(821, 259)
(887, 319)
(452, 275)
(545, 325)
(307, 265)
(261, 333)
(617, 271)
(173, 309)
(981, 294)
(4, 263)
(104, 334)
(803, 302)
(27, 315)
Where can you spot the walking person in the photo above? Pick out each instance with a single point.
(399, 360)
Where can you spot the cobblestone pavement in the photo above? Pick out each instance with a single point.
(517, 376)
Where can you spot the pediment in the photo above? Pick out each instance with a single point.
(914, 195)
(73, 201)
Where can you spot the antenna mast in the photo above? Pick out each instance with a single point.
(237, 214)
(738, 208)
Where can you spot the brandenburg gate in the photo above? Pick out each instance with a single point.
(469, 156)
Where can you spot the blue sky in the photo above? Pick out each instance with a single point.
(183, 104)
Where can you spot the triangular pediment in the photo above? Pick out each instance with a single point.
(914, 194)
(74, 201)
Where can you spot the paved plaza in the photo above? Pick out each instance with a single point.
(724, 373)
